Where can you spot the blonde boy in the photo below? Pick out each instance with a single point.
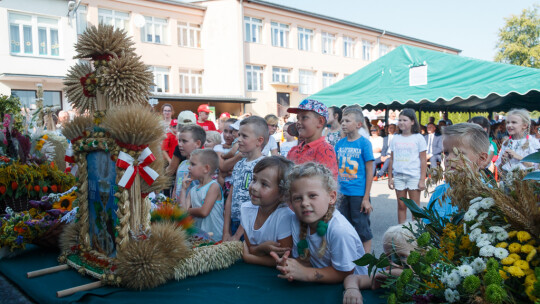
(253, 136)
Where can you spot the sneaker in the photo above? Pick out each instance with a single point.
(376, 178)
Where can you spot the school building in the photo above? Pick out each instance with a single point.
(237, 55)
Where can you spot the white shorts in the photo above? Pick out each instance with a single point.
(404, 181)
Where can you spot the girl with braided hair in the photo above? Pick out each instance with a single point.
(325, 244)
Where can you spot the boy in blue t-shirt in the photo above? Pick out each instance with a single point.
(469, 139)
(355, 165)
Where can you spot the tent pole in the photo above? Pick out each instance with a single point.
(420, 115)
(469, 115)
(386, 114)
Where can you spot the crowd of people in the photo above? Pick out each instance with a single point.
(297, 190)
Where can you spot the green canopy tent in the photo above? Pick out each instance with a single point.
(433, 81)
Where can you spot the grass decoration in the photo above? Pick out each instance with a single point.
(69, 237)
(102, 42)
(77, 127)
(150, 262)
(134, 125)
(126, 80)
(208, 258)
(173, 213)
(76, 92)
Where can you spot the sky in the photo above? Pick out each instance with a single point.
(468, 25)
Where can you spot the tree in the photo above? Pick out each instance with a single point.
(519, 39)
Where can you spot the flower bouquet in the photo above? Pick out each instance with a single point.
(487, 252)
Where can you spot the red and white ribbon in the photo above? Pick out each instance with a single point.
(125, 161)
(69, 155)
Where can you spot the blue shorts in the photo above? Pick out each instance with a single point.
(350, 206)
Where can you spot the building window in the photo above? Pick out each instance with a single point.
(28, 98)
(81, 19)
(280, 34)
(52, 98)
(305, 39)
(366, 50)
(348, 46)
(328, 41)
(254, 77)
(155, 30)
(253, 29)
(307, 82)
(383, 49)
(190, 82)
(119, 20)
(328, 79)
(161, 80)
(25, 30)
(189, 34)
(282, 75)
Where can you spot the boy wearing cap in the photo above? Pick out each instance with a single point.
(311, 120)
(203, 121)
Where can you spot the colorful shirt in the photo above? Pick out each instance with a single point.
(318, 151)
(333, 137)
(352, 156)
(242, 176)
(169, 144)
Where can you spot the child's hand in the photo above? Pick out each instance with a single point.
(280, 261)
(352, 296)
(366, 205)
(186, 181)
(390, 183)
(422, 184)
(293, 270)
(269, 246)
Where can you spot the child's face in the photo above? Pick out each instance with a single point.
(272, 127)
(308, 123)
(203, 116)
(287, 136)
(392, 129)
(349, 124)
(248, 140)
(264, 188)
(331, 116)
(209, 144)
(234, 133)
(196, 168)
(515, 126)
(405, 123)
(186, 144)
(452, 160)
(228, 133)
(310, 200)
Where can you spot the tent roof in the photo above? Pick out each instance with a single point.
(454, 83)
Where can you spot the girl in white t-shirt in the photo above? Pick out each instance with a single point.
(408, 162)
(266, 222)
(518, 145)
(325, 244)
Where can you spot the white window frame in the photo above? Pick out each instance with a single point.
(328, 79)
(367, 49)
(328, 43)
(118, 18)
(161, 79)
(82, 22)
(280, 34)
(254, 77)
(306, 81)
(193, 79)
(305, 39)
(156, 28)
(192, 34)
(383, 49)
(348, 46)
(281, 75)
(253, 25)
(35, 26)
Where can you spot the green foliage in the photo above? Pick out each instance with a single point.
(12, 105)
(519, 39)
(532, 158)
(455, 117)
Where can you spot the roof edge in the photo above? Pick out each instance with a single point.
(178, 3)
(350, 23)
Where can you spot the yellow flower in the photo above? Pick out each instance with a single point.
(528, 271)
(515, 271)
(527, 248)
(45, 136)
(502, 245)
(531, 255)
(465, 242)
(512, 234)
(523, 236)
(514, 256)
(508, 261)
(514, 248)
(503, 274)
(529, 290)
(524, 265)
(65, 203)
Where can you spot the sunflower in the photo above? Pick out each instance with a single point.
(65, 203)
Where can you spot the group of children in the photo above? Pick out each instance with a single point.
(308, 214)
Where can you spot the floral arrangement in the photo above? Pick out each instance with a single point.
(20, 228)
(168, 211)
(487, 252)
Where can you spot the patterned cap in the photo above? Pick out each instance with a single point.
(311, 105)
